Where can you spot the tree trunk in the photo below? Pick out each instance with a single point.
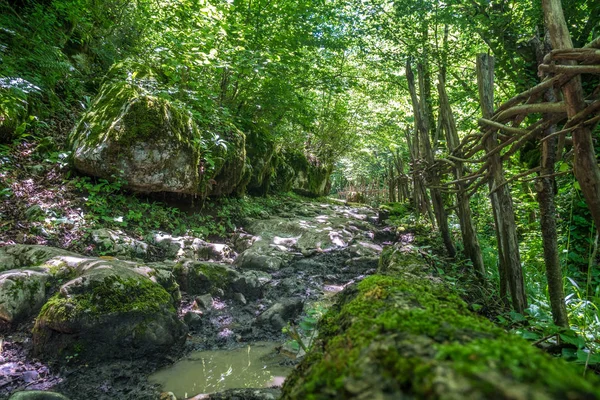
(469, 236)
(510, 270)
(585, 166)
(545, 194)
(422, 131)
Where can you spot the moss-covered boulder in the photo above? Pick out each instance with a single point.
(109, 311)
(200, 278)
(403, 335)
(150, 142)
(310, 178)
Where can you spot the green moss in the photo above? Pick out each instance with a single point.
(411, 332)
(111, 295)
(127, 114)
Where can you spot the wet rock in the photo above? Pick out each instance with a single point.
(37, 395)
(277, 316)
(188, 247)
(361, 264)
(387, 234)
(251, 284)
(167, 396)
(242, 394)
(240, 298)
(253, 258)
(193, 320)
(242, 241)
(204, 302)
(109, 311)
(364, 249)
(22, 293)
(198, 278)
(116, 243)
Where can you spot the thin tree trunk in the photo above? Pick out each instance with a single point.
(469, 236)
(585, 165)
(506, 232)
(422, 131)
(545, 194)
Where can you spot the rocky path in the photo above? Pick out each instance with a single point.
(102, 325)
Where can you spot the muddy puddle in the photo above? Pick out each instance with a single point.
(253, 366)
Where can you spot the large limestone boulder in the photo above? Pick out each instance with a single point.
(109, 311)
(150, 142)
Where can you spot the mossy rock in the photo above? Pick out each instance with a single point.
(37, 395)
(311, 179)
(25, 255)
(200, 278)
(404, 335)
(22, 293)
(150, 142)
(110, 311)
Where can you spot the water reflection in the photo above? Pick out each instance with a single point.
(256, 365)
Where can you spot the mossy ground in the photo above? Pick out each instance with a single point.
(402, 333)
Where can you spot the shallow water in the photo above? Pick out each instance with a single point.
(253, 366)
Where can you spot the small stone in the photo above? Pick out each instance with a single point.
(240, 298)
(192, 319)
(30, 376)
(204, 302)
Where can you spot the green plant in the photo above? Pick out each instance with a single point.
(303, 335)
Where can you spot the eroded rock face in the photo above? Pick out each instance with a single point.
(148, 141)
(109, 311)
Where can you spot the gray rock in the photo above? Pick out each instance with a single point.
(145, 140)
(240, 298)
(24, 255)
(109, 311)
(253, 258)
(204, 302)
(276, 316)
(193, 319)
(37, 395)
(118, 244)
(188, 247)
(245, 394)
(198, 278)
(22, 293)
(251, 284)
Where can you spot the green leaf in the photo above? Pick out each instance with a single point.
(586, 357)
